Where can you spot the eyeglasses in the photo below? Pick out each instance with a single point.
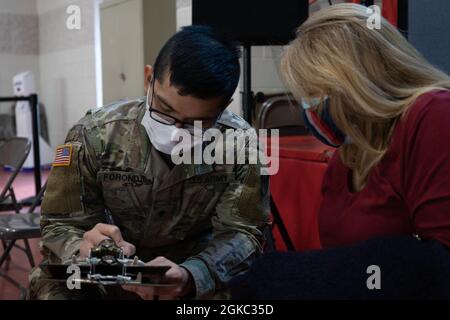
(163, 118)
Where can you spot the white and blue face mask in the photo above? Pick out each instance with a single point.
(166, 137)
(322, 125)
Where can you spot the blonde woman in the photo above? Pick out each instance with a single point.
(387, 110)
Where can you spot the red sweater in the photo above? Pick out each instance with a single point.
(408, 192)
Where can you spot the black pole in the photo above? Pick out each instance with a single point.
(368, 3)
(36, 127)
(278, 221)
(403, 17)
(14, 99)
(247, 75)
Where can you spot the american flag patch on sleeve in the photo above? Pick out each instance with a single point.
(63, 156)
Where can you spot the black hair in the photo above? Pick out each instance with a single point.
(200, 63)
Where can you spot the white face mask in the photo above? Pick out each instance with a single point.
(165, 137)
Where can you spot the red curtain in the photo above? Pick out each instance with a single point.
(390, 11)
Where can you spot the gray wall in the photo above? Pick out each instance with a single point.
(160, 23)
(19, 43)
(429, 28)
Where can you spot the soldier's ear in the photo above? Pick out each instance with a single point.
(148, 76)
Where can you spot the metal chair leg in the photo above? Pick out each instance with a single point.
(14, 200)
(7, 251)
(29, 253)
(8, 258)
(5, 244)
(23, 291)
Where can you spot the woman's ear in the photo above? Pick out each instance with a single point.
(148, 76)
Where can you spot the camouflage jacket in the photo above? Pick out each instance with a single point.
(208, 218)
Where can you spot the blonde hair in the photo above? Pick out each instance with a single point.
(371, 76)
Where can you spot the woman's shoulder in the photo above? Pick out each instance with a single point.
(433, 106)
(422, 135)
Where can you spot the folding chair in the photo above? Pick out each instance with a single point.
(21, 226)
(281, 113)
(13, 153)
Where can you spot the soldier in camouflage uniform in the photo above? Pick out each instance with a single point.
(205, 219)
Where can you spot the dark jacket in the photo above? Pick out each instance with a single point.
(409, 269)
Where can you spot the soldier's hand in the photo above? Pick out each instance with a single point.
(176, 275)
(101, 232)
